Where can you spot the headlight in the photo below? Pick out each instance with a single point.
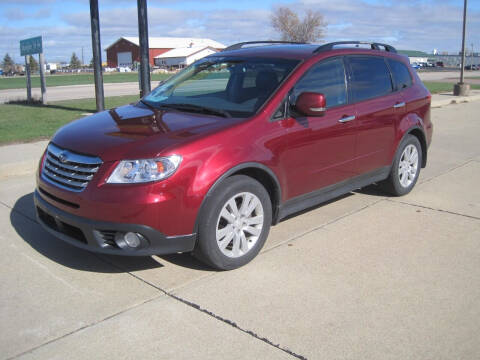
(145, 170)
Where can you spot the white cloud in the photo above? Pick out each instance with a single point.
(406, 24)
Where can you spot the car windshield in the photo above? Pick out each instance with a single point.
(221, 86)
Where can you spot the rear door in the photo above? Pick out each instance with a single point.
(377, 108)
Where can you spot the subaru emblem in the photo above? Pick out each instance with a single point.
(62, 157)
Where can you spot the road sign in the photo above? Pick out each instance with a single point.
(31, 46)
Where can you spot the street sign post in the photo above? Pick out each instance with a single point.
(29, 47)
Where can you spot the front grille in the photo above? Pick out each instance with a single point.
(69, 170)
(59, 226)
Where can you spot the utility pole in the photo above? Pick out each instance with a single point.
(97, 55)
(144, 48)
(29, 82)
(43, 85)
(461, 88)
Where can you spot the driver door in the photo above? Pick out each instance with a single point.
(321, 149)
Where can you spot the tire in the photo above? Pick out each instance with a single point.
(405, 168)
(231, 235)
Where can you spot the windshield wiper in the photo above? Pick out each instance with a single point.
(197, 108)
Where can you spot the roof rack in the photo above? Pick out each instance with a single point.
(373, 46)
(240, 45)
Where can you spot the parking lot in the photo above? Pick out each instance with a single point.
(365, 276)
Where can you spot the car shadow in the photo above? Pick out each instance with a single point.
(22, 218)
(373, 190)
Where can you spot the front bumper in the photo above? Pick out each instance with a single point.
(98, 236)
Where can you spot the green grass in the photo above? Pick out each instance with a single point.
(23, 123)
(73, 79)
(439, 87)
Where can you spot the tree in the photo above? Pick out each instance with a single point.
(75, 62)
(33, 64)
(8, 65)
(91, 64)
(311, 28)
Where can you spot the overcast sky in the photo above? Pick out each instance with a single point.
(65, 25)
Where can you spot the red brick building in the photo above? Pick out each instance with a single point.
(126, 50)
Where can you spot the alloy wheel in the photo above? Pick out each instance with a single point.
(239, 224)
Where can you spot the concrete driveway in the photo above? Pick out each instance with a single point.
(366, 276)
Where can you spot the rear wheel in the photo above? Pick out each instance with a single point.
(405, 168)
(234, 223)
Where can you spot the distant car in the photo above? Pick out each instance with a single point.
(415, 65)
(440, 64)
(1, 72)
(471, 67)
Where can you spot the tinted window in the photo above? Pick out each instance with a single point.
(328, 78)
(370, 77)
(236, 86)
(401, 75)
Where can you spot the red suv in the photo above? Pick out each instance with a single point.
(232, 144)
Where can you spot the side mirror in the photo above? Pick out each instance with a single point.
(311, 104)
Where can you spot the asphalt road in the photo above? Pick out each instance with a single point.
(365, 276)
(57, 93)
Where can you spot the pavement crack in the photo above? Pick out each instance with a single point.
(320, 227)
(19, 213)
(82, 328)
(434, 209)
(210, 313)
(448, 171)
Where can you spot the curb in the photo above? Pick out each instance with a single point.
(451, 99)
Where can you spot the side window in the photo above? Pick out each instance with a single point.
(401, 75)
(326, 77)
(370, 77)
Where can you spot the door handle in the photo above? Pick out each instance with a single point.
(346, 119)
(399, 105)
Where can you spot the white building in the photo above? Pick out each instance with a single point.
(184, 56)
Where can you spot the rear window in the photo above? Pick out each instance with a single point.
(370, 77)
(401, 75)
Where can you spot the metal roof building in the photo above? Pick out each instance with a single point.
(181, 57)
(126, 50)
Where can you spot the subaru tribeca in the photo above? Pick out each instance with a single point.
(232, 144)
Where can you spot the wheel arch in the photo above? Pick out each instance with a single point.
(263, 174)
(418, 132)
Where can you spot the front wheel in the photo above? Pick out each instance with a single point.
(406, 167)
(234, 224)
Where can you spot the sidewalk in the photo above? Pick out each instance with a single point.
(443, 99)
(22, 159)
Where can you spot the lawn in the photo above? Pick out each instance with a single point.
(23, 123)
(439, 87)
(72, 79)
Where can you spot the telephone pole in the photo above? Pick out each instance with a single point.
(144, 48)
(461, 88)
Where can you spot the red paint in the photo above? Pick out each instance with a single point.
(305, 153)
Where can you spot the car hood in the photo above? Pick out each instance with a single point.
(135, 131)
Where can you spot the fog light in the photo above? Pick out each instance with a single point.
(132, 239)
